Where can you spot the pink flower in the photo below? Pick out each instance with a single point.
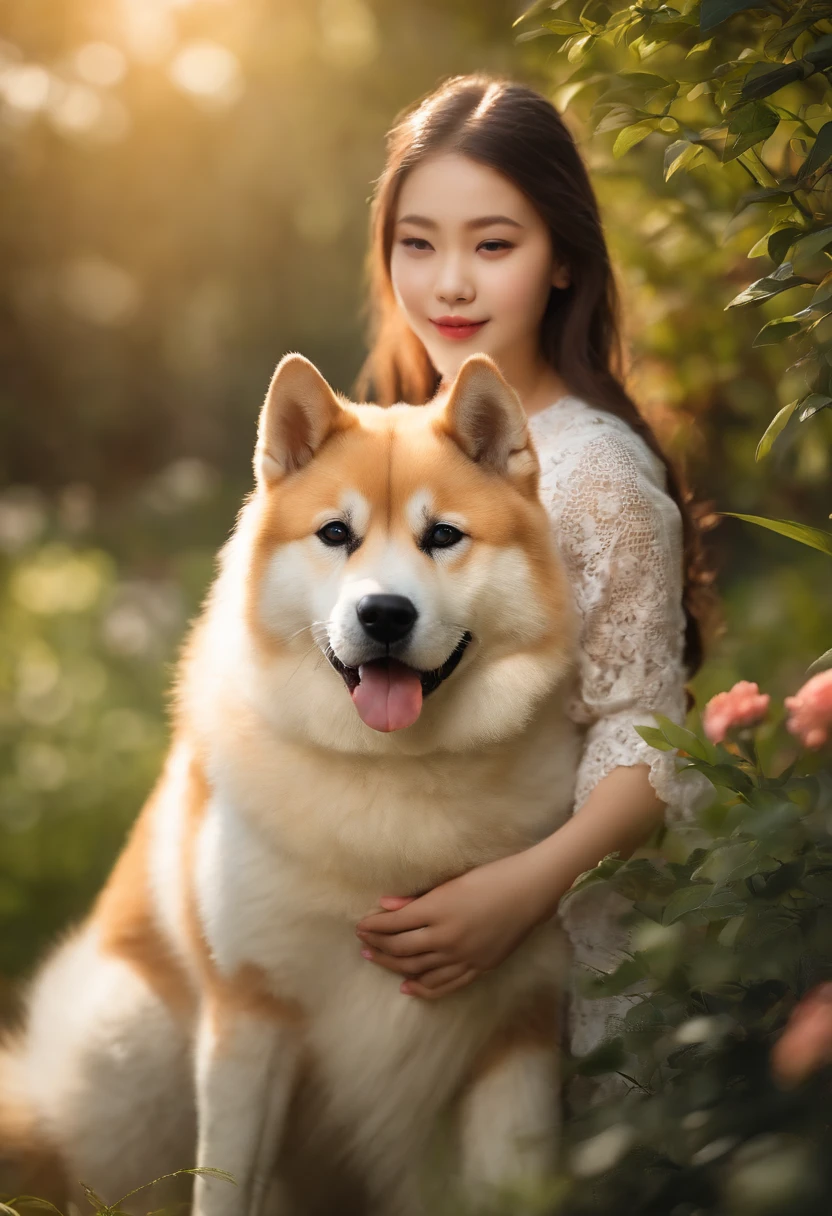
(806, 1043)
(810, 711)
(742, 705)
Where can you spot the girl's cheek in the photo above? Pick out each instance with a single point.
(410, 284)
(520, 291)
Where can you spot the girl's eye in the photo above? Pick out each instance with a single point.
(334, 533)
(442, 536)
(416, 242)
(496, 246)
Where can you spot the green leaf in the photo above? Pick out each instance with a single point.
(607, 1057)
(781, 241)
(822, 664)
(821, 152)
(722, 905)
(613, 983)
(813, 537)
(94, 1199)
(813, 404)
(682, 739)
(750, 124)
(733, 862)
(630, 136)
(203, 1171)
(774, 428)
(603, 872)
(644, 80)
(536, 7)
(814, 242)
(654, 737)
(640, 877)
(616, 116)
(714, 12)
(777, 331)
(686, 900)
(823, 291)
(198, 1171)
(564, 27)
(819, 53)
(766, 288)
(818, 883)
(764, 83)
(725, 776)
(681, 155)
(32, 1201)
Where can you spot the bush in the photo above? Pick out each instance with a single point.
(730, 929)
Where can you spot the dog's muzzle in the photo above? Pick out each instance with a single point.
(387, 693)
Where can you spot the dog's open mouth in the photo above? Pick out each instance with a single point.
(387, 693)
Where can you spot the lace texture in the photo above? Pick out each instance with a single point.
(620, 536)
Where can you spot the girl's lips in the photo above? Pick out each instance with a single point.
(458, 331)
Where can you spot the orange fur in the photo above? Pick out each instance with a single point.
(536, 1025)
(128, 926)
(246, 990)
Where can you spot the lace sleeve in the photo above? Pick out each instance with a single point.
(620, 534)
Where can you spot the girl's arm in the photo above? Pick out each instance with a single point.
(444, 939)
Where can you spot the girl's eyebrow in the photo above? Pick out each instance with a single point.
(484, 221)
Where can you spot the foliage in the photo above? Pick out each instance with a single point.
(815, 539)
(722, 88)
(812, 537)
(726, 937)
(88, 633)
(22, 1204)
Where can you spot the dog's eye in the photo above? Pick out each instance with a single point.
(334, 533)
(442, 536)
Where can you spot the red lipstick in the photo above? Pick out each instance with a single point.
(457, 328)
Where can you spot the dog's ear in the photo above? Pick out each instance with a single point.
(484, 417)
(299, 413)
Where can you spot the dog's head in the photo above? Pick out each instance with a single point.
(402, 573)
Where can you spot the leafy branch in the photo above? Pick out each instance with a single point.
(726, 83)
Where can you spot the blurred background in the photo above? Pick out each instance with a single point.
(184, 190)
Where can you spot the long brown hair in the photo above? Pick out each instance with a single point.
(515, 130)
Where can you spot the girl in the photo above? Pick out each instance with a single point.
(486, 236)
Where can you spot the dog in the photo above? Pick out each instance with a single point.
(372, 701)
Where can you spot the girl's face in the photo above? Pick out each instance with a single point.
(472, 265)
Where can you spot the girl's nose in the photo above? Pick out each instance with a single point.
(454, 285)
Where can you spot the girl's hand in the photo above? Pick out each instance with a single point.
(446, 938)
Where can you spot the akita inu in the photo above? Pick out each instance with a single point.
(371, 702)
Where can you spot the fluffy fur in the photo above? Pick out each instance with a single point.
(214, 1007)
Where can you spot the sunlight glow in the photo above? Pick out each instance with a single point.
(100, 64)
(209, 71)
(99, 291)
(25, 86)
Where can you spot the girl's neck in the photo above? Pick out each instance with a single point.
(536, 387)
(540, 393)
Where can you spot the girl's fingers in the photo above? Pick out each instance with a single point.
(416, 964)
(420, 988)
(408, 917)
(439, 976)
(401, 945)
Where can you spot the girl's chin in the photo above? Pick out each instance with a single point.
(448, 363)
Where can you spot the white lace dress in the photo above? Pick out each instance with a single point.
(620, 535)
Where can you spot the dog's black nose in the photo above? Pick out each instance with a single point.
(386, 618)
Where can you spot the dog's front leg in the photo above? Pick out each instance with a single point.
(245, 1069)
(509, 1113)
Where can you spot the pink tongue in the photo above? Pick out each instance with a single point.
(389, 696)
